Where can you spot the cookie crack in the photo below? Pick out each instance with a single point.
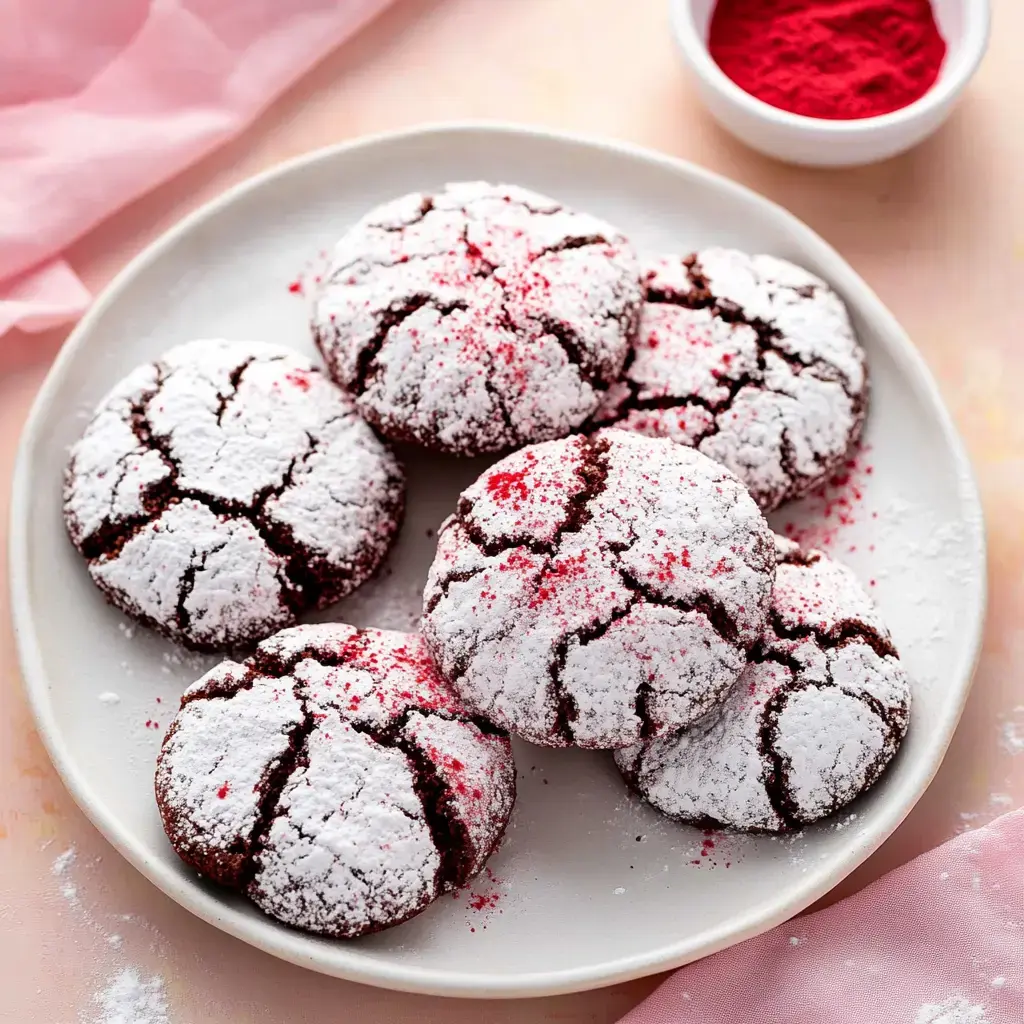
(235, 380)
(567, 339)
(426, 205)
(594, 472)
(444, 585)
(566, 709)
(768, 335)
(268, 809)
(776, 782)
(570, 242)
(447, 830)
(182, 615)
(704, 603)
(387, 319)
(842, 633)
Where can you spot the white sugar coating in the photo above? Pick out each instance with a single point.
(590, 592)
(954, 1010)
(810, 724)
(458, 764)
(763, 373)
(237, 579)
(477, 318)
(224, 487)
(811, 319)
(821, 595)
(351, 850)
(128, 998)
(209, 778)
(335, 778)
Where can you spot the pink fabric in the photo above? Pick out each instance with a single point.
(938, 941)
(101, 100)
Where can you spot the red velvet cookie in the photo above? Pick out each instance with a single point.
(751, 360)
(820, 711)
(593, 592)
(222, 490)
(477, 318)
(334, 779)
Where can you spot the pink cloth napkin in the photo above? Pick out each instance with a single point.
(938, 941)
(100, 100)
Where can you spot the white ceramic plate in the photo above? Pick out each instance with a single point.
(590, 886)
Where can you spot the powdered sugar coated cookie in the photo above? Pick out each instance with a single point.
(225, 488)
(812, 723)
(596, 591)
(477, 318)
(334, 779)
(753, 361)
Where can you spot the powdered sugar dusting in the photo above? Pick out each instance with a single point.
(126, 996)
(589, 591)
(954, 1010)
(477, 318)
(753, 361)
(129, 998)
(209, 482)
(1012, 732)
(316, 777)
(812, 722)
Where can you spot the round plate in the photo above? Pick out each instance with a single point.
(590, 887)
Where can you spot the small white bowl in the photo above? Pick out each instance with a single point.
(815, 142)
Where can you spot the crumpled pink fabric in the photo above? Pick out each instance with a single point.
(937, 941)
(101, 100)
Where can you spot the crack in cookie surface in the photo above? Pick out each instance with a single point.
(593, 591)
(753, 361)
(226, 488)
(335, 779)
(498, 318)
(813, 722)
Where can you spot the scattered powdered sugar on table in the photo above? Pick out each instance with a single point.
(128, 998)
(1012, 731)
(60, 868)
(954, 1010)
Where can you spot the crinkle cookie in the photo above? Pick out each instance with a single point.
(751, 360)
(820, 711)
(593, 592)
(477, 318)
(224, 489)
(334, 779)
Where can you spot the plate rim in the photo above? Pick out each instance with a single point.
(344, 960)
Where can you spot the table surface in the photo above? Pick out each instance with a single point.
(939, 233)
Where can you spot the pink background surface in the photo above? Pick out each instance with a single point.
(938, 233)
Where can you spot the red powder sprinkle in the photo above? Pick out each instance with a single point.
(503, 485)
(299, 379)
(484, 901)
(223, 791)
(835, 59)
(295, 287)
(834, 506)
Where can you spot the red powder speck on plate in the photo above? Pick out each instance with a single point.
(295, 287)
(223, 791)
(834, 506)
